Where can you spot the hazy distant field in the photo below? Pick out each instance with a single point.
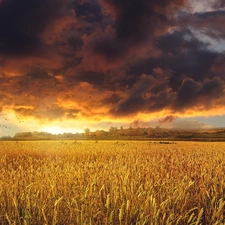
(110, 182)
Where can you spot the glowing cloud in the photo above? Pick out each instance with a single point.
(94, 63)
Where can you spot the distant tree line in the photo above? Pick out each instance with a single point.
(125, 133)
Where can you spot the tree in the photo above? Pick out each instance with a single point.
(87, 131)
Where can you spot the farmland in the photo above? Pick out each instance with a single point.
(112, 182)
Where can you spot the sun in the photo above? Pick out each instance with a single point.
(55, 130)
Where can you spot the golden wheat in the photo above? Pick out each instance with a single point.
(108, 182)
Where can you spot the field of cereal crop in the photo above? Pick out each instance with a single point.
(110, 182)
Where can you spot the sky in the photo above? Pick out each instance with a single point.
(70, 64)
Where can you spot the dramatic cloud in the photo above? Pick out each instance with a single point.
(103, 60)
(167, 119)
(219, 4)
(25, 25)
(208, 23)
(137, 20)
(202, 94)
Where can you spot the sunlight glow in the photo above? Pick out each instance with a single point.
(55, 130)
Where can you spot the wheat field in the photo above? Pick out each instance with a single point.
(112, 182)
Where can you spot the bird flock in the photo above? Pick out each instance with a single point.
(4, 124)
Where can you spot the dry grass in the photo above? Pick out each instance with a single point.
(112, 183)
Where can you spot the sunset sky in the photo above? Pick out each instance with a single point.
(70, 64)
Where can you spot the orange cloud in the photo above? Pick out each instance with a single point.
(110, 61)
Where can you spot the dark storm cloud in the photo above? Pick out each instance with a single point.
(127, 31)
(144, 97)
(22, 24)
(191, 78)
(187, 56)
(219, 4)
(113, 99)
(167, 119)
(149, 94)
(183, 54)
(37, 73)
(110, 48)
(95, 78)
(209, 23)
(193, 93)
(138, 20)
(218, 68)
(112, 58)
(88, 11)
(139, 124)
